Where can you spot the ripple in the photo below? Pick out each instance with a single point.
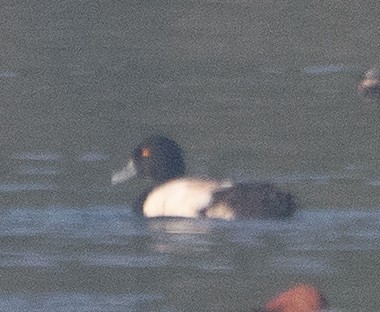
(42, 171)
(327, 69)
(33, 186)
(301, 177)
(68, 302)
(7, 74)
(29, 260)
(47, 156)
(127, 261)
(93, 157)
(374, 183)
(303, 265)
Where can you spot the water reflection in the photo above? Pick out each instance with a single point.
(73, 242)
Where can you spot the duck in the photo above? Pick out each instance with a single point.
(173, 194)
(299, 298)
(369, 86)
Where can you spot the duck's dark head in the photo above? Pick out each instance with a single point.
(157, 157)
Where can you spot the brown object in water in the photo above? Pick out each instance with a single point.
(300, 298)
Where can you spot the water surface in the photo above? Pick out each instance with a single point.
(252, 90)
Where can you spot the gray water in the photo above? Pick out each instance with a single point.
(252, 90)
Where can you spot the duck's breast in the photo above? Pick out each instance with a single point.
(180, 198)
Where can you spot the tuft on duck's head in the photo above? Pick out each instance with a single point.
(156, 157)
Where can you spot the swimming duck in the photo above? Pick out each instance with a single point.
(174, 195)
(300, 298)
(369, 86)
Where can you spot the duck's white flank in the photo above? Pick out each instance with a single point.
(183, 198)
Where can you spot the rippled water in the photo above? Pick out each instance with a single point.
(102, 258)
(60, 256)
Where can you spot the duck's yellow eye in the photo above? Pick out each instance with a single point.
(145, 152)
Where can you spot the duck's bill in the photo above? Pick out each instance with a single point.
(126, 173)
